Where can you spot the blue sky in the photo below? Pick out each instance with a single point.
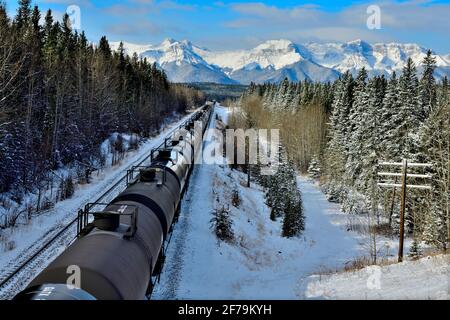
(225, 25)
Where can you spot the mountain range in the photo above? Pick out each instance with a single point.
(274, 60)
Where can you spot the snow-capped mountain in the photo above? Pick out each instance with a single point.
(180, 60)
(275, 60)
(271, 61)
(379, 58)
(274, 54)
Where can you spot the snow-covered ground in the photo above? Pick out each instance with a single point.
(425, 279)
(260, 264)
(28, 238)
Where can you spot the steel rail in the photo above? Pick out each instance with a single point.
(61, 232)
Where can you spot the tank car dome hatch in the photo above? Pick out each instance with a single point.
(147, 175)
(107, 220)
(164, 155)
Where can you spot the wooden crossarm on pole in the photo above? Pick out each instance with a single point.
(404, 175)
(400, 164)
(409, 175)
(390, 185)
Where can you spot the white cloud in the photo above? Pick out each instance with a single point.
(304, 23)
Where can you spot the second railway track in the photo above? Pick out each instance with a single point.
(49, 246)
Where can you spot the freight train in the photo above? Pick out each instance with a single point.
(119, 249)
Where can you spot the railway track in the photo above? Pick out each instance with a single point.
(44, 251)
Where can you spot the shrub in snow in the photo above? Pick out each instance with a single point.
(354, 203)
(235, 199)
(46, 204)
(222, 224)
(11, 245)
(415, 252)
(6, 244)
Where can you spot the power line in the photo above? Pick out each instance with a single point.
(404, 175)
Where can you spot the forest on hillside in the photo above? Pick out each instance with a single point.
(340, 132)
(219, 92)
(62, 96)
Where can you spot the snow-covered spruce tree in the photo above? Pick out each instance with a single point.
(279, 185)
(435, 146)
(410, 113)
(390, 142)
(314, 169)
(294, 221)
(415, 252)
(401, 135)
(275, 196)
(390, 121)
(364, 147)
(282, 90)
(336, 150)
(427, 86)
(370, 138)
(269, 96)
(289, 96)
(355, 131)
(284, 198)
(297, 101)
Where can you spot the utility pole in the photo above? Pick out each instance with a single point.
(404, 187)
(402, 210)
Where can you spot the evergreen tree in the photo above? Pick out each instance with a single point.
(339, 126)
(314, 169)
(357, 116)
(435, 149)
(427, 91)
(391, 120)
(61, 97)
(409, 113)
(23, 14)
(293, 223)
(415, 251)
(369, 120)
